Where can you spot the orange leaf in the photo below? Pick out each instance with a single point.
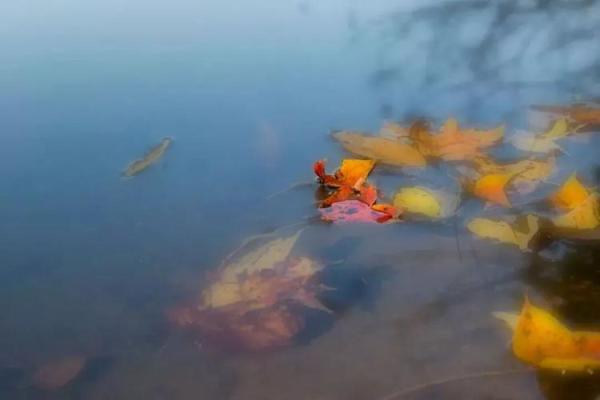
(342, 194)
(368, 194)
(571, 194)
(351, 172)
(492, 188)
(452, 143)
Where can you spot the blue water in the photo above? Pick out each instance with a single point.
(89, 262)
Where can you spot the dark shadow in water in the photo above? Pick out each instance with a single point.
(571, 286)
(483, 47)
(348, 286)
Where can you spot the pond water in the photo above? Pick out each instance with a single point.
(90, 262)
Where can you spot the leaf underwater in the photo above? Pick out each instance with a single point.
(582, 205)
(504, 232)
(578, 113)
(427, 202)
(492, 188)
(353, 211)
(152, 157)
(544, 142)
(383, 150)
(255, 302)
(58, 373)
(540, 339)
(527, 173)
(453, 143)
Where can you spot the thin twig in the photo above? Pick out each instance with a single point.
(290, 188)
(489, 374)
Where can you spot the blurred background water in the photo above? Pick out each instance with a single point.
(89, 262)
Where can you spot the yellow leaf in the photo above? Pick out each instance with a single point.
(526, 172)
(492, 188)
(505, 232)
(559, 129)
(425, 201)
(542, 340)
(381, 149)
(584, 216)
(417, 200)
(571, 194)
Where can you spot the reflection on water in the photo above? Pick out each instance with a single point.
(90, 262)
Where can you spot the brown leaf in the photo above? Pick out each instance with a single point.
(381, 149)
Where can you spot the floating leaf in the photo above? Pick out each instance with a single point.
(351, 173)
(452, 143)
(542, 340)
(353, 211)
(58, 373)
(368, 195)
(505, 232)
(424, 201)
(381, 149)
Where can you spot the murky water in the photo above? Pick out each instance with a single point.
(90, 262)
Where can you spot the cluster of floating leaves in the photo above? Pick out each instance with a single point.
(539, 338)
(258, 301)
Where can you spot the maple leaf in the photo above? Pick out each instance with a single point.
(381, 149)
(527, 173)
(582, 205)
(452, 143)
(540, 339)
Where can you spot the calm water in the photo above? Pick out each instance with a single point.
(90, 262)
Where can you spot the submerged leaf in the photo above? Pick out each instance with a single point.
(586, 215)
(582, 205)
(571, 194)
(542, 340)
(505, 232)
(452, 143)
(578, 113)
(527, 173)
(492, 188)
(150, 158)
(353, 211)
(57, 374)
(558, 130)
(380, 149)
